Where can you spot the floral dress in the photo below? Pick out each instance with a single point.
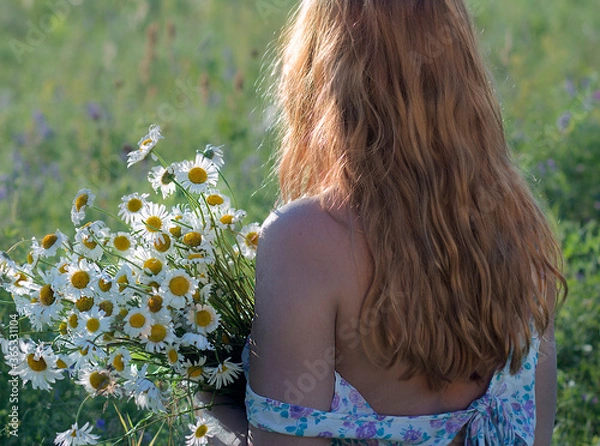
(504, 415)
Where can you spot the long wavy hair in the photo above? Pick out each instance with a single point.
(388, 103)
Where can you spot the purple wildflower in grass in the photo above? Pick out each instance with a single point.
(596, 95)
(570, 87)
(551, 165)
(42, 126)
(564, 121)
(94, 111)
(101, 424)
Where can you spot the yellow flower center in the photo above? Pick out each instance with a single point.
(137, 320)
(195, 256)
(73, 321)
(123, 281)
(252, 239)
(203, 318)
(107, 306)
(20, 278)
(195, 371)
(81, 201)
(155, 303)
(145, 142)
(80, 279)
(84, 351)
(98, 380)
(157, 333)
(214, 200)
(37, 365)
(84, 303)
(47, 295)
(226, 219)
(104, 285)
(89, 242)
(134, 205)
(30, 257)
(164, 244)
(62, 328)
(92, 325)
(173, 356)
(175, 231)
(153, 265)
(201, 431)
(122, 243)
(179, 286)
(49, 241)
(197, 175)
(118, 363)
(153, 224)
(196, 295)
(193, 239)
(61, 364)
(63, 268)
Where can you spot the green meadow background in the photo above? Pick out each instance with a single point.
(81, 81)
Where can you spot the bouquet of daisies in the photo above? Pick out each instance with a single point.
(155, 308)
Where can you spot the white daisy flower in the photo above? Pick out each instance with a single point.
(152, 264)
(202, 430)
(83, 199)
(224, 374)
(120, 360)
(161, 178)
(177, 288)
(89, 240)
(215, 199)
(145, 146)
(47, 305)
(164, 244)
(49, 245)
(131, 206)
(138, 322)
(37, 363)
(93, 323)
(203, 318)
(20, 282)
(196, 340)
(228, 216)
(158, 309)
(96, 380)
(158, 337)
(123, 243)
(248, 240)
(86, 355)
(77, 280)
(173, 355)
(154, 222)
(195, 370)
(198, 175)
(125, 282)
(77, 436)
(215, 154)
(144, 392)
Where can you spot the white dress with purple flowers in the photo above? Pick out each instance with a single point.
(504, 415)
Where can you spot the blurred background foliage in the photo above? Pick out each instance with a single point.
(82, 80)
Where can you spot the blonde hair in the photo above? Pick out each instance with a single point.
(388, 103)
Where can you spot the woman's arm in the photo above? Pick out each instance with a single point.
(293, 334)
(545, 381)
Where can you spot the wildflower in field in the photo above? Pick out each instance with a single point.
(37, 363)
(122, 243)
(76, 436)
(159, 336)
(145, 146)
(198, 175)
(93, 323)
(177, 288)
(83, 199)
(76, 282)
(131, 206)
(248, 240)
(173, 355)
(97, 381)
(137, 322)
(215, 154)
(45, 304)
(89, 240)
(195, 370)
(224, 374)
(154, 221)
(120, 360)
(203, 318)
(228, 216)
(196, 340)
(144, 392)
(49, 245)
(201, 431)
(162, 179)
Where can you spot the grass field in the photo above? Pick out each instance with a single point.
(81, 81)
